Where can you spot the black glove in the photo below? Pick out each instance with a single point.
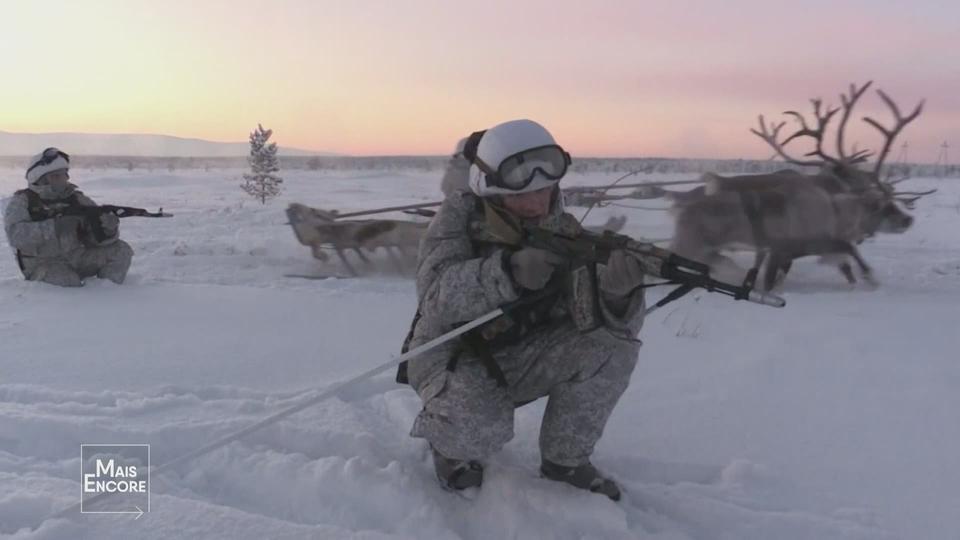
(110, 223)
(531, 268)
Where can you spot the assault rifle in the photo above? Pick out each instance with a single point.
(587, 247)
(91, 215)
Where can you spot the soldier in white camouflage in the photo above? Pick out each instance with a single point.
(56, 248)
(470, 262)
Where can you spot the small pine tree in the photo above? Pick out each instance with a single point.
(260, 182)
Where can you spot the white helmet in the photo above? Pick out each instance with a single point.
(518, 156)
(50, 160)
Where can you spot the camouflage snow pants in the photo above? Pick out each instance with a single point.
(106, 262)
(467, 416)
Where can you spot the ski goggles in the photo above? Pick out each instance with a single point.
(49, 156)
(519, 170)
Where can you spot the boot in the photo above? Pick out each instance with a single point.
(457, 474)
(584, 477)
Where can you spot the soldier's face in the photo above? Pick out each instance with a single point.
(535, 204)
(56, 180)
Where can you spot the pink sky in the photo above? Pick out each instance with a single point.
(615, 78)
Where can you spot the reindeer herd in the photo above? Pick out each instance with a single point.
(779, 216)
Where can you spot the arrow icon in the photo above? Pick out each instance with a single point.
(139, 512)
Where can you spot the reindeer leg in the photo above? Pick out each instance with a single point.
(846, 248)
(785, 267)
(394, 259)
(865, 269)
(409, 256)
(360, 254)
(402, 250)
(781, 259)
(402, 254)
(847, 272)
(828, 249)
(346, 263)
(318, 253)
(780, 269)
(774, 263)
(751, 279)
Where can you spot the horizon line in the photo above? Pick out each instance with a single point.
(7, 157)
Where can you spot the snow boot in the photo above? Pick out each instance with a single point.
(584, 477)
(457, 474)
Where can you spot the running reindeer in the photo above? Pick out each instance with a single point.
(320, 230)
(786, 214)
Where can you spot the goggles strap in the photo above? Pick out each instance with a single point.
(49, 156)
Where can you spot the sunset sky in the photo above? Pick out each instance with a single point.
(608, 78)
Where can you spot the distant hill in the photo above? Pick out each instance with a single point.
(141, 145)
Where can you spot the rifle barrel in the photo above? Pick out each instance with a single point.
(766, 299)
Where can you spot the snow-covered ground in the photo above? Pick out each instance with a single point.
(836, 417)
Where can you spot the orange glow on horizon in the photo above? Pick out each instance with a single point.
(414, 77)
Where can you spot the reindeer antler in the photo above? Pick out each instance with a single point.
(816, 134)
(823, 119)
(769, 134)
(917, 193)
(891, 134)
(908, 201)
(848, 102)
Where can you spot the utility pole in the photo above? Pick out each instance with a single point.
(902, 157)
(900, 164)
(943, 160)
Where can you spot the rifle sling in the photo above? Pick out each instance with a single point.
(675, 294)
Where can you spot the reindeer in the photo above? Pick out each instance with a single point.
(319, 230)
(788, 214)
